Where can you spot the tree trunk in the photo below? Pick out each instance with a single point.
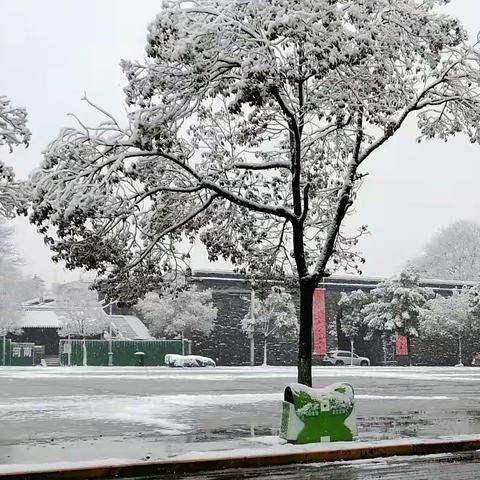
(305, 335)
(459, 349)
(265, 352)
(351, 351)
(84, 352)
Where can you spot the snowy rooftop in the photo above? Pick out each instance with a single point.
(130, 327)
(350, 280)
(40, 319)
(46, 315)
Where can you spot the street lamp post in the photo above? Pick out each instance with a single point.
(110, 345)
(250, 335)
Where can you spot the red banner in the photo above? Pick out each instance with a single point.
(401, 346)
(319, 323)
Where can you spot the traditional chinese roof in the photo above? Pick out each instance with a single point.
(40, 319)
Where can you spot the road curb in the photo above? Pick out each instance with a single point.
(172, 467)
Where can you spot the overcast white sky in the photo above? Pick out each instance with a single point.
(51, 51)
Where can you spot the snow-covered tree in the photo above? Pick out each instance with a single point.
(10, 292)
(10, 313)
(353, 317)
(249, 123)
(270, 316)
(13, 132)
(452, 254)
(14, 286)
(13, 281)
(181, 313)
(81, 313)
(451, 316)
(397, 306)
(10, 316)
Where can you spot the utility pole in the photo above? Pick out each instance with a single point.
(110, 351)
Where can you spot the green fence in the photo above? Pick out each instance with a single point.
(16, 354)
(5, 359)
(124, 352)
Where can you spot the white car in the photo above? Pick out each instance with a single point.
(344, 357)
(173, 360)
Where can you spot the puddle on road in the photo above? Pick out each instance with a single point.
(232, 431)
(387, 427)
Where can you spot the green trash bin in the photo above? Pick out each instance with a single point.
(140, 359)
(312, 415)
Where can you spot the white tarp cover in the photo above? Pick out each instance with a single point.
(173, 360)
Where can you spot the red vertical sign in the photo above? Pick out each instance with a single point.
(401, 346)
(319, 323)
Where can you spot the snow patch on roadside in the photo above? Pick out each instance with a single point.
(276, 449)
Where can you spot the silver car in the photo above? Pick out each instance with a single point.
(344, 357)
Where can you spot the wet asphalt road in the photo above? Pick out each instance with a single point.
(54, 414)
(434, 467)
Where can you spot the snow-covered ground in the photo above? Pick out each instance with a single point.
(54, 414)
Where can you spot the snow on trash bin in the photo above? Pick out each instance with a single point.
(312, 415)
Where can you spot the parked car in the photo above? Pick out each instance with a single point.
(344, 357)
(173, 360)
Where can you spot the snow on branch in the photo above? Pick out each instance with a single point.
(13, 125)
(248, 123)
(13, 132)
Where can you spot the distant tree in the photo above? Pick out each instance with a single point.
(452, 254)
(451, 316)
(177, 313)
(12, 283)
(81, 313)
(250, 124)
(13, 132)
(7, 249)
(270, 316)
(397, 307)
(10, 301)
(35, 286)
(12, 279)
(15, 288)
(353, 317)
(475, 299)
(10, 316)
